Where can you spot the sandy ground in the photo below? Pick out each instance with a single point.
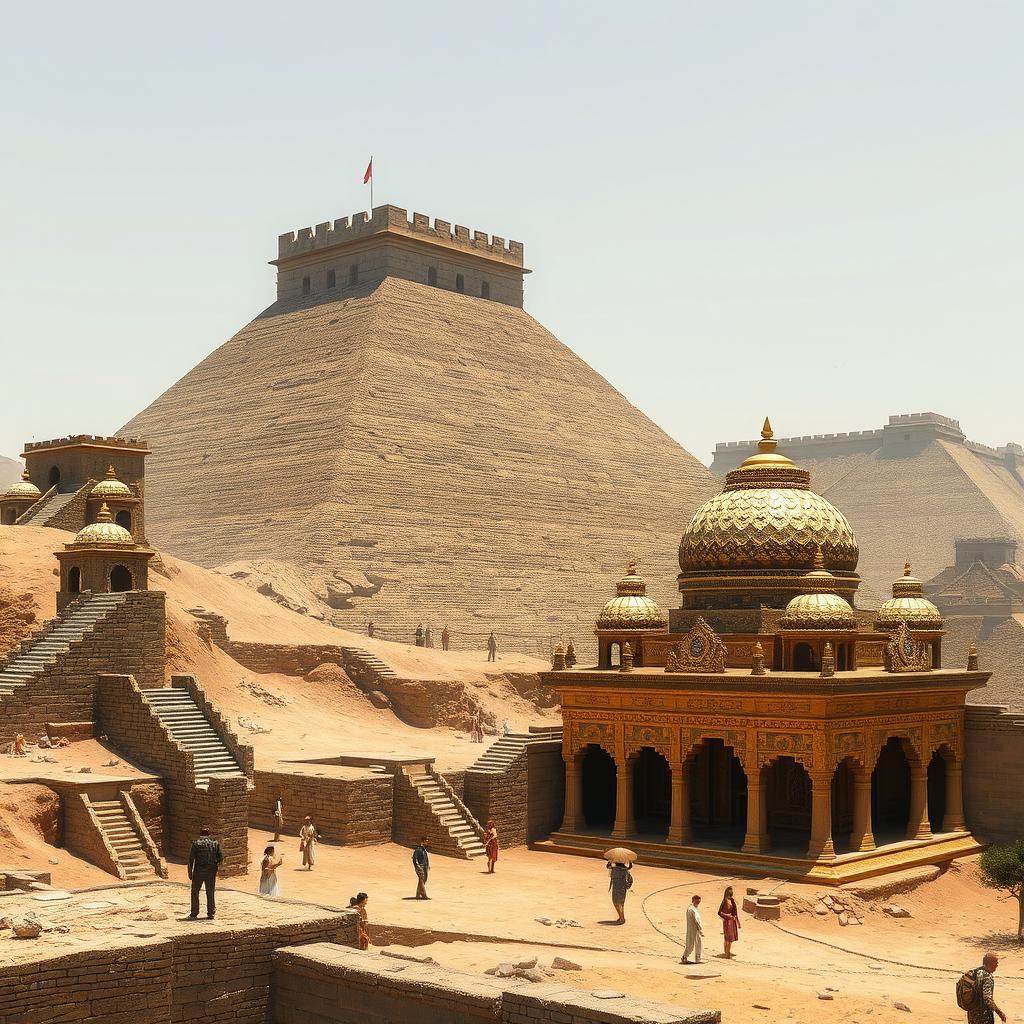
(914, 961)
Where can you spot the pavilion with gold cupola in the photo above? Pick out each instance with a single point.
(766, 724)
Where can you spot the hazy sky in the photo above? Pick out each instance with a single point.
(811, 210)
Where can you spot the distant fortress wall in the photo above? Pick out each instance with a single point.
(904, 435)
(352, 255)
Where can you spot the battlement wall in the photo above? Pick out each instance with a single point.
(135, 443)
(394, 219)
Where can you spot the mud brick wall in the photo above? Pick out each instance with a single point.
(129, 640)
(545, 800)
(148, 798)
(243, 753)
(216, 976)
(83, 835)
(134, 728)
(321, 984)
(412, 819)
(353, 812)
(72, 516)
(503, 797)
(993, 795)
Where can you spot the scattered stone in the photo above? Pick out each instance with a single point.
(543, 920)
(760, 1006)
(111, 764)
(561, 964)
(52, 860)
(398, 956)
(531, 975)
(26, 928)
(604, 993)
(827, 900)
(821, 911)
(893, 910)
(85, 771)
(829, 988)
(903, 1007)
(844, 918)
(525, 965)
(5, 922)
(502, 971)
(825, 995)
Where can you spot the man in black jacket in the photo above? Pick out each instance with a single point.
(421, 865)
(203, 861)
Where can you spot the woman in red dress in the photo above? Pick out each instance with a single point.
(491, 845)
(730, 916)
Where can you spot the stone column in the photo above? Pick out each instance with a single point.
(820, 847)
(679, 830)
(953, 819)
(623, 799)
(918, 826)
(862, 836)
(756, 838)
(572, 820)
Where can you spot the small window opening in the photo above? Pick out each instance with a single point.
(54, 476)
(75, 580)
(305, 285)
(431, 275)
(460, 283)
(332, 279)
(485, 290)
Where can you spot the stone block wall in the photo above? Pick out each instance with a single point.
(321, 984)
(72, 516)
(241, 752)
(993, 795)
(545, 800)
(130, 639)
(83, 835)
(353, 812)
(134, 728)
(413, 819)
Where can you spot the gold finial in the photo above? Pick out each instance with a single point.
(111, 475)
(766, 430)
(103, 516)
(906, 568)
(767, 442)
(631, 567)
(972, 658)
(819, 558)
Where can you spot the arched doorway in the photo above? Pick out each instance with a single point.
(120, 579)
(75, 580)
(599, 779)
(54, 476)
(890, 793)
(652, 793)
(842, 804)
(937, 790)
(803, 658)
(788, 789)
(124, 518)
(718, 794)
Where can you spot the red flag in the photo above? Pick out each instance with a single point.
(369, 171)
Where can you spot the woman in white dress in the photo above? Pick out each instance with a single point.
(268, 873)
(308, 837)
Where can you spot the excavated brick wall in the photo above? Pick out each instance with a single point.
(84, 836)
(353, 812)
(72, 516)
(241, 752)
(134, 728)
(993, 796)
(218, 976)
(546, 790)
(130, 640)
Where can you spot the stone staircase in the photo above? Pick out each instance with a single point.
(46, 508)
(370, 662)
(43, 649)
(498, 757)
(187, 724)
(450, 812)
(125, 841)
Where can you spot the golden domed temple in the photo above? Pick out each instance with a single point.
(770, 726)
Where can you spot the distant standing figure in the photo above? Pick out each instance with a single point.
(430, 637)
(308, 838)
(268, 873)
(445, 638)
(983, 1009)
(203, 860)
(730, 916)
(492, 647)
(421, 865)
(19, 746)
(477, 729)
(619, 884)
(278, 819)
(570, 655)
(358, 904)
(506, 729)
(419, 635)
(369, 628)
(694, 932)
(491, 845)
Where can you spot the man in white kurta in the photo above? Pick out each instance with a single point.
(694, 932)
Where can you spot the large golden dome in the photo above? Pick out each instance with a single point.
(24, 488)
(767, 517)
(104, 531)
(631, 608)
(908, 604)
(111, 487)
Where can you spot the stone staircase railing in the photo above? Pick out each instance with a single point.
(456, 800)
(143, 833)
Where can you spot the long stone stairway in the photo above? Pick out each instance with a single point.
(42, 650)
(126, 842)
(370, 662)
(498, 757)
(187, 724)
(41, 513)
(449, 811)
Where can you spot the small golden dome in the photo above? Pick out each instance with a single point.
(631, 608)
(24, 488)
(111, 487)
(104, 531)
(818, 610)
(908, 604)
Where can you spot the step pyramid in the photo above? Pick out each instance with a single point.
(418, 455)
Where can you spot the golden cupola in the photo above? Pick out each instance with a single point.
(631, 608)
(818, 608)
(751, 544)
(111, 488)
(104, 531)
(908, 604)
(23, 488)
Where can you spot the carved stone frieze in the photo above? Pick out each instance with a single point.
(905, 654)
(584, 734)
(700, 650)
(661, 738)
(798, 745)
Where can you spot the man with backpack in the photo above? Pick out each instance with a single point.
(203, 860)
(975, 993)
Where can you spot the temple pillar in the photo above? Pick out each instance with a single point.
(679, 830)
(756, 839)
(820, 847)
(572, 820)
(862, 836)
(953, 820)
(918, 826)
(623, 799)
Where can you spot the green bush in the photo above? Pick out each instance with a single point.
(1002, 867)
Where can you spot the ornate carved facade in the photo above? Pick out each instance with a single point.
(807, 740)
